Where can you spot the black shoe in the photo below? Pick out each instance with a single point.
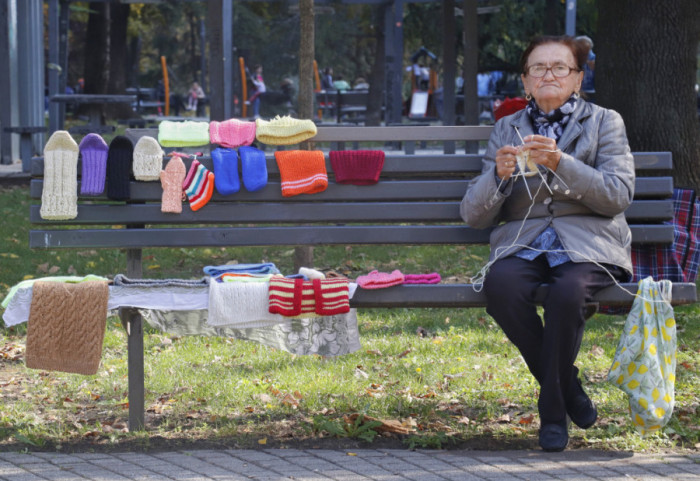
(580, 408)
(554, 437)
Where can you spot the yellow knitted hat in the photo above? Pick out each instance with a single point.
(284, 130)
(183, 134)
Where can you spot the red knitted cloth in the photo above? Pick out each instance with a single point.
(300, 298)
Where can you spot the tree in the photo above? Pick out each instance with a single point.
(645, 69)
(118, 64)
(97, 49)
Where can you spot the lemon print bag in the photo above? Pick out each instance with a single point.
(644, 366)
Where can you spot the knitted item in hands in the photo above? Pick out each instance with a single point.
(225, 171)
(119, 160)
(380, 280)
(198, 185)
(171, 180)
(59, 195)
(284, 130)
(302, 171)
(148, 159)
(93, 152)
(183, 134)
(66, 326)
(300, 298)
(253, 168)
(432, 278)
(231, 133)
(358, 167)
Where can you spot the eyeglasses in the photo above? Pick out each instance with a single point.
(559, 70)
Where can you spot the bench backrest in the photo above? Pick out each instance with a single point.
(416, 202)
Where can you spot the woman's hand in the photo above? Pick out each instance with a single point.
(505, 161)
(543, 151)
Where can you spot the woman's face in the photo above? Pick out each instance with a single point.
(551, 92)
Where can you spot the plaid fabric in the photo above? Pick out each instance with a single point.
(677, 262)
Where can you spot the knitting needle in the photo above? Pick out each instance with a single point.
(517, 131)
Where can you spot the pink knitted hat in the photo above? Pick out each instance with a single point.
(231, 133)
(379, 280)
(359, 167)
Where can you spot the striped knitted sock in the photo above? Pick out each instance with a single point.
(198, 185)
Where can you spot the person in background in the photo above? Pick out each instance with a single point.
(563, 224)
(341, 84)
(588, 84)
(194, 95)
(360, 84)
(327, 79)
(260, 89)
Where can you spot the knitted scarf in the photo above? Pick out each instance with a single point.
(551, 124)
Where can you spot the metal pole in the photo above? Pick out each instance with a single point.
(571, 17)
(5, 84)
(394, 58)
(220, 19)
(54, 66)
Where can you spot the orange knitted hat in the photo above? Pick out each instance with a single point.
(302, 171)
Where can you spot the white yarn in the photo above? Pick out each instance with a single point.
(477, 282)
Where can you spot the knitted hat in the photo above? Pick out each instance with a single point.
(183, 134)
(240, 305)
(198, 185)
(302, 171)
(253, 168)
(284, 130)
(225, 171)
(119, 160)
(93, 152)
(432, 278)
(59, 195)
(171, 179)
(232, 133)
(310, 273)
(66, 326)
(379, 280)
(359, 167)
(318, 297)
(148, 159)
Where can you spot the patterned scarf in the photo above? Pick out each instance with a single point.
(551, 124)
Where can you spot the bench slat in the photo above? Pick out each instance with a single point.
(386, 190)
(292, 236)
(314, 213)
(463, 295)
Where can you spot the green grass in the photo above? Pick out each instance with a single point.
(461, 385)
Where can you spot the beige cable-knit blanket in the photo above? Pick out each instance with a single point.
(66, 326)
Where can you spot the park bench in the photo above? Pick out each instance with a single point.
(348, 106)
(416, 202)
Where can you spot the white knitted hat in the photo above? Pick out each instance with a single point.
(148, 159)
(59, 196)
(241, 305)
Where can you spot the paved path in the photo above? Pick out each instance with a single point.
(343, 465)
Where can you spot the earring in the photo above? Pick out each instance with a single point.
(576, 94)
(528, 97)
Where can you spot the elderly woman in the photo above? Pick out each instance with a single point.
(559, 222)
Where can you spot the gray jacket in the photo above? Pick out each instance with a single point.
(586, 210)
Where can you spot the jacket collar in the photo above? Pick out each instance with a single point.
(571, 132)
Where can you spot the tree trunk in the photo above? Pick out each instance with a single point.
(375, 97)
(96, 49)
(303, 255)
(118, 64)
(645, 69)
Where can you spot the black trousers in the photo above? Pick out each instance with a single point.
(549, 348)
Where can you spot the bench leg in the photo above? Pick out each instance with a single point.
(134, 325)
(26, 151)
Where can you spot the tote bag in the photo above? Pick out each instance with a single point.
(644, 365)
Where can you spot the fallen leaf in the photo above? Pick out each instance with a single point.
(262, 441)
(526, 419)
(403, 354)
(54, 269)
